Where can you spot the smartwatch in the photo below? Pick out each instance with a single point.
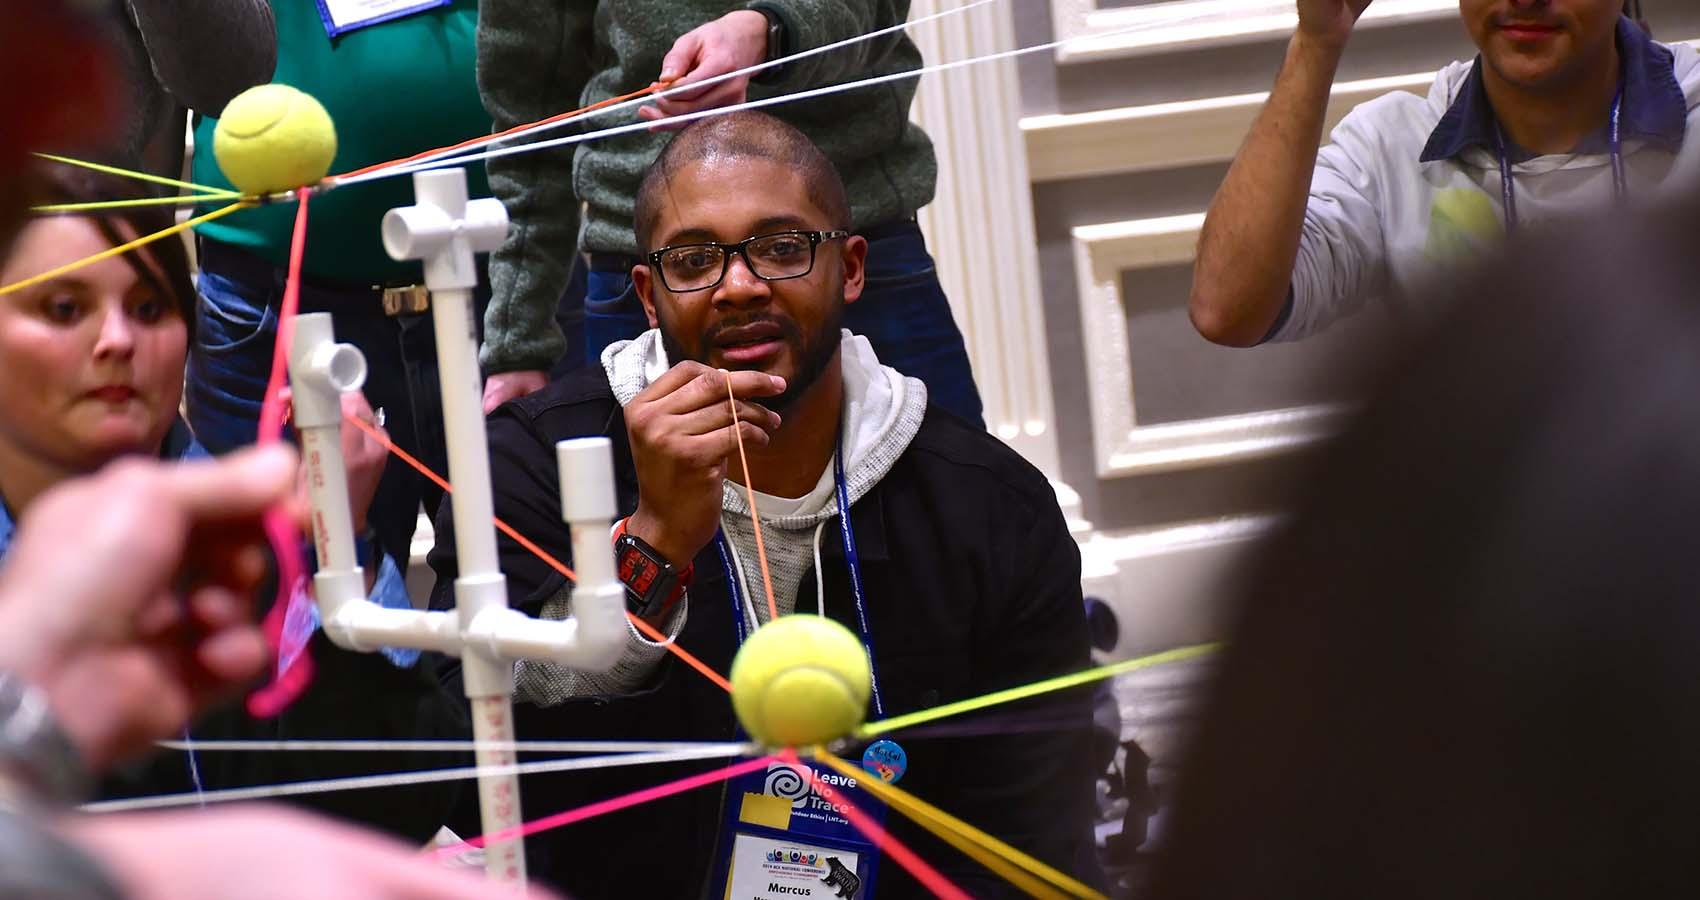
(776, 40)
(652, 583)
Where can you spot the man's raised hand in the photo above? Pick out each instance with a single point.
(681, 430)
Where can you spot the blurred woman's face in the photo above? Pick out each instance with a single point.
(91, 362)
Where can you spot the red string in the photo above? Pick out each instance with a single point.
(928, 876)
(603, 807)
(281, 530)
(649, 630)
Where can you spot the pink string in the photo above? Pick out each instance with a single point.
(281, 531)
(928, 876)
(603, 807)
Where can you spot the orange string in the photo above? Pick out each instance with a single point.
(484, 139)
(649, 630)
(750, 491)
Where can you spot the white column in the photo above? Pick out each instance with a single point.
(980, 228)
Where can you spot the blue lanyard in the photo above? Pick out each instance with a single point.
(734, 578)
(1619, 181)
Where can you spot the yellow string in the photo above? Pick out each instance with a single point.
(1009, 695)
(120, 249)
(143, 176)
(95, 205)
(1011, 864)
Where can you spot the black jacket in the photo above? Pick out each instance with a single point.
(972, 584)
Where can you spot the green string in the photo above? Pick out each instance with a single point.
(1009, 695)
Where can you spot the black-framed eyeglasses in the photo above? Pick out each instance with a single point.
(770, 257)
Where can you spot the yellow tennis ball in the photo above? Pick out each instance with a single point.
(1462, 224)
(274, 138)
(799, 681)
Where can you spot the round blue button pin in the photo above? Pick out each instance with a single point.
(885, 759)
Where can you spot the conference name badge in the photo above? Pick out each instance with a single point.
(768, 869)
(342, 16)
(785, 834)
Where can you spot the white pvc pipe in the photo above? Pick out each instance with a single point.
(320, 371)
(365, 626)
(498, 794)
(487, 675)
(327, 489)
(469, 456)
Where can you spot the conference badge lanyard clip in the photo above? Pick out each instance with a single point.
(342, 16)
(1619, 180)
(783, 834)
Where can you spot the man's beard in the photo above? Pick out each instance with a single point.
(813, 352)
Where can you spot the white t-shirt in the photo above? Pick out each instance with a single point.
(1381, 223)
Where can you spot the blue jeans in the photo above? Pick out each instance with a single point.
(236, 329)
(902, 312)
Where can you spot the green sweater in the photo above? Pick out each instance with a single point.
(541, 57)
(393, 89)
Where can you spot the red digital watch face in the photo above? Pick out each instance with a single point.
(637, 570)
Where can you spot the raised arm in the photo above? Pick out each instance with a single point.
(533, 62)
(1243, 274)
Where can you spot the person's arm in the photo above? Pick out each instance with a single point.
(738, 40)
(533, 61)
(1243, 274)
(205, 52)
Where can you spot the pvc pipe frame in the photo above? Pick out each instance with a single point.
(591, 639)
(444, 230)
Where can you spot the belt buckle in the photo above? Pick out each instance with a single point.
(409, 300)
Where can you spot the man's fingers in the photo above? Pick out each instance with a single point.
(754, 384)
(157, 615)
(670, 381)
(231, 656)
(709, 388)
(723, 93)
(682, 57)
(214, 608)
(237, 486)
(710, 419)
(726, 439)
